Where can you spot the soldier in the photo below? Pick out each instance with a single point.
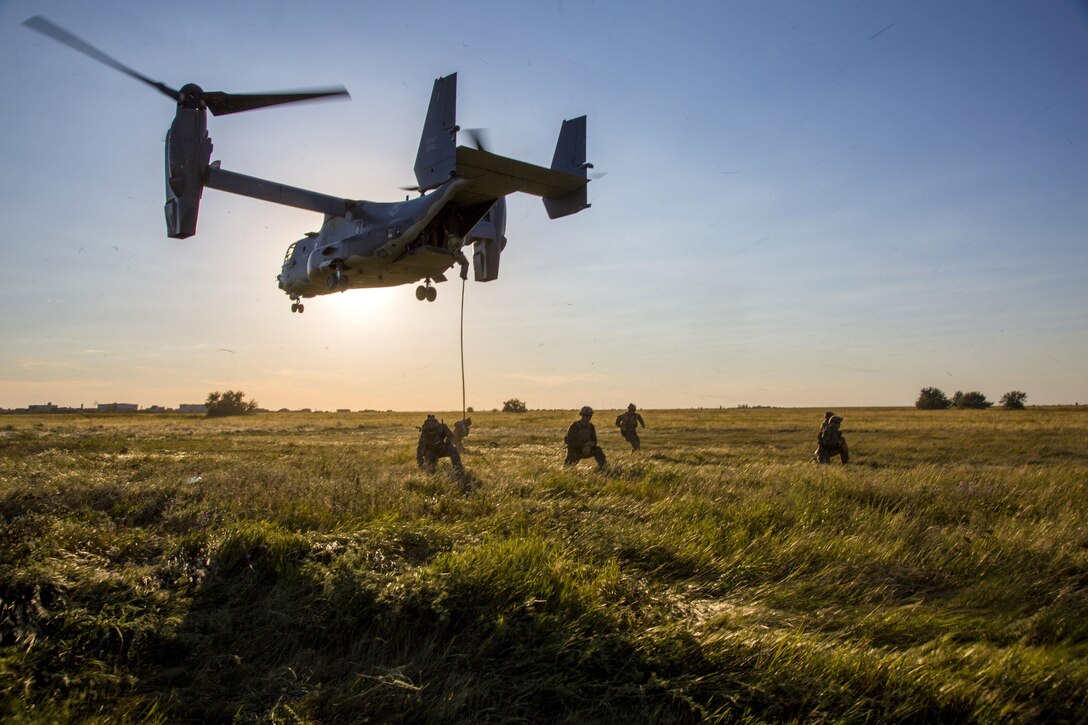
(827, 417)
(460, 430)
(628, 423)
(831, 442)
(581, 440)
(436, 441)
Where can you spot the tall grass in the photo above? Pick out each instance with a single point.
(299, 568)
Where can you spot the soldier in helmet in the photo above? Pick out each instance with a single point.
(628, 424)
(831, 442)
(581, 440)
(460, 430)
(436, 441)
(827, 417)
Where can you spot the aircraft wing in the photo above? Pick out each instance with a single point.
(492, 177)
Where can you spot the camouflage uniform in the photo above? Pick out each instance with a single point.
(581, 440)
(460, 430)
(436, 441)
(628, 423)
(830, 442)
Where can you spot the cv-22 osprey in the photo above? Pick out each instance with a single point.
(463, 201)
(361, 244)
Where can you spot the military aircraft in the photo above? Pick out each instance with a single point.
(462, 192)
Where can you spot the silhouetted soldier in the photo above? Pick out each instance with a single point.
(460, 431)
(830, 442)
(581, 440)
(629, 423)
(436, 441)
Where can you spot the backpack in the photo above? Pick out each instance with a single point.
(830, 437)
(431, 433)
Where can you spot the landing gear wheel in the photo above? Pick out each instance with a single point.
(301, 309)
(432, 294)
(421, 293)
(294, 307)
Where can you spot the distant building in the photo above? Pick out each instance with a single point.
(118, 407)
(47, 408)
(156, 409)
(192, 408)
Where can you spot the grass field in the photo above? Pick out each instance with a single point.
(299, 568)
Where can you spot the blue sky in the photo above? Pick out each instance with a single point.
(814, 204)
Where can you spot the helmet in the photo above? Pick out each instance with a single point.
(586, 410)
(829, 414)
(835, 419)
(631, 407)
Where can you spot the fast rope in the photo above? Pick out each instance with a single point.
(463, 280)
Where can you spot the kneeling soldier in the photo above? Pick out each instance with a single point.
(460, 430)
(581, 440)
(436, 441)
(831, 442)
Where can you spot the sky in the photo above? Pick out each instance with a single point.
(805, 204)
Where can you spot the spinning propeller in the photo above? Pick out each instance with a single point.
(190, 95)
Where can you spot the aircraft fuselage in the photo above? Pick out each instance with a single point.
(379, 244)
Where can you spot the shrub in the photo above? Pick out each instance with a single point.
(932, 399)
(1014, 400)
(514, 406)
(232, 402)
(974, 399)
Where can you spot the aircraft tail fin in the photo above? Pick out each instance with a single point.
(436, 160)
(570, 158)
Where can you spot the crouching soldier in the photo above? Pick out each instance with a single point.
(628, 424)
(460, 430)
(831, 442)
(581, 440)
(436, 441)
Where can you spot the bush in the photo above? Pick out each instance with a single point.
(232, 402)
(932, 399)
(1014, 400)
(514, 406)
(974, 399)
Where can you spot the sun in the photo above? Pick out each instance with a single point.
(352, 306)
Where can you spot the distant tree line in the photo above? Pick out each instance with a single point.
(232, 402)
(514, 406)
(935, 399)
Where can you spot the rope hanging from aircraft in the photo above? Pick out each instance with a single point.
(463, 409)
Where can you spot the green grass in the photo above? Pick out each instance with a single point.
(299, 568)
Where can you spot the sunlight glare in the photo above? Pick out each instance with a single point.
(362, 305)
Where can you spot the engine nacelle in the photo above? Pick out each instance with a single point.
(188, 151)
(485, 260)
(489, 239)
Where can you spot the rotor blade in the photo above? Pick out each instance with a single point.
(59, 34)
(480, 138)
(220, 103)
